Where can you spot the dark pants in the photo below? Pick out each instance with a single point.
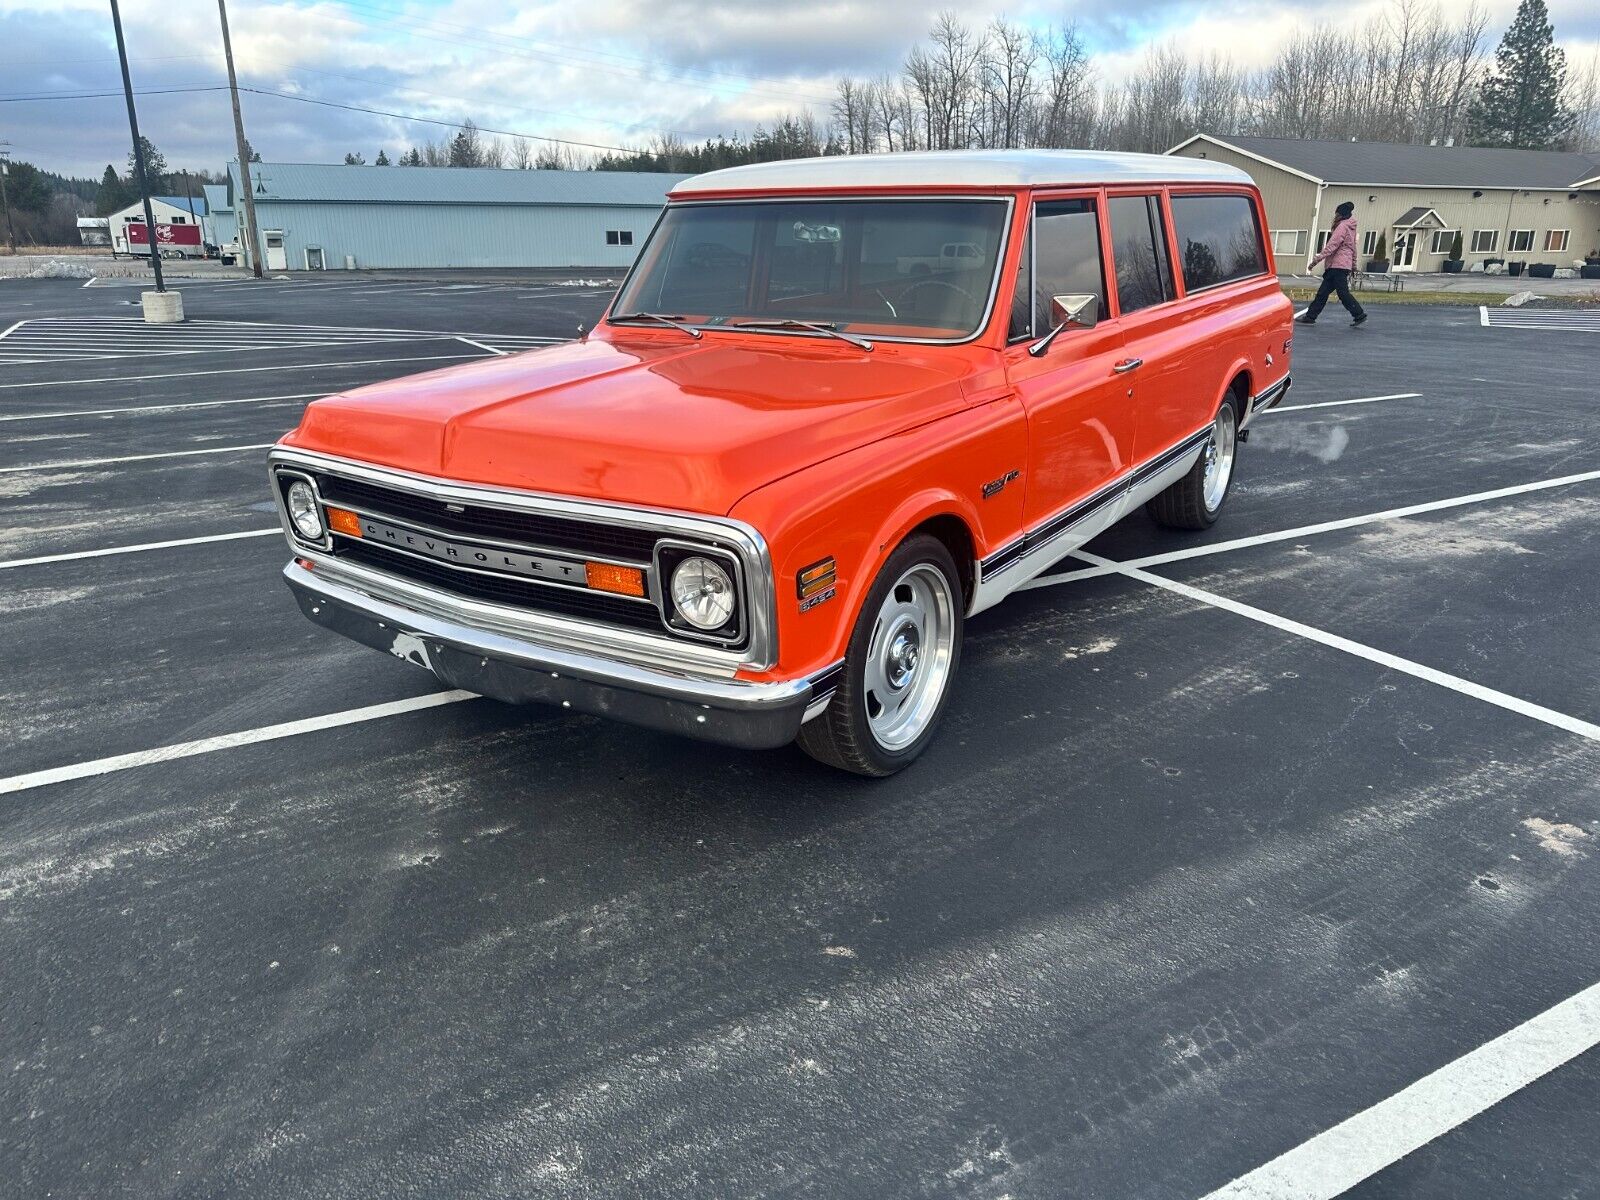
(1334, 279)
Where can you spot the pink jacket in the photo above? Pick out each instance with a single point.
(1340, 252)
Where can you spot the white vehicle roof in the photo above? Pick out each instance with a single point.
(935, 169)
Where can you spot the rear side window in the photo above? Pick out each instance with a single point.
(1139, 248)
(1218, 239)
(1066, 256)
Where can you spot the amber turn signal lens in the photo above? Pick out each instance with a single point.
(818, 577)
(604, 577)
(342, 520)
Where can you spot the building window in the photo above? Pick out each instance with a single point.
(1322, 239)
(1555, 240)
(1289, 241)
(1485, 241)
(1369, 243)
(1441, 241)
(1521, 241)
(177, 221)
(619, 237)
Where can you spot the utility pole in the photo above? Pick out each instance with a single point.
(188, 192)
(138, 150)
(5, 202)
(248, 226)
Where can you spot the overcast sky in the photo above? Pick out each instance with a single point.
(606, 72)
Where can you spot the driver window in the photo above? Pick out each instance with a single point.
(1066, 256)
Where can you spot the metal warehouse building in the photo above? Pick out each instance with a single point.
(321, 217)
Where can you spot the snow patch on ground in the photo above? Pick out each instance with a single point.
(1326, 445)
(1557, 837)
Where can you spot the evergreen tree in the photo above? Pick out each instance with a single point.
(466, 148)
(250, 152)
(27, 190)
(355, 159)
(155, 166)
(382, 160)
(1519, 104)
(112, 195)
(411, 158)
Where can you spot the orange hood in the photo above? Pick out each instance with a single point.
(696, 426)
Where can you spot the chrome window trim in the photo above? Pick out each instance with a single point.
(1010, 202)
(742, 539)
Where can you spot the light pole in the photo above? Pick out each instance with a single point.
(248, 226)
(138, 149)
(5, 201)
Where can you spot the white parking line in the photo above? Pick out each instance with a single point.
(337, 364)
(481, 346)
(110, 551)
(1283, 535)
(1358, 1148)
(226, 741)
(1340, 403)
(106, 462)
(1382, 658)
(156, 408)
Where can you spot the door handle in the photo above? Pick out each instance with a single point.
(1126, 365)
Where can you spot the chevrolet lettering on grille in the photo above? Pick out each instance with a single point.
(466, 554)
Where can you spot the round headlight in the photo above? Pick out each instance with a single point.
(303, 510)
(702, 592)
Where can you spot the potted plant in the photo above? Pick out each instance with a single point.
(1380, 260)
(1591, 265)
(1453, 264)
(1542, 270)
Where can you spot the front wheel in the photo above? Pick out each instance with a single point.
(897, 672)
(1196, 500)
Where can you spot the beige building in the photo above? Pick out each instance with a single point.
(1532, 206)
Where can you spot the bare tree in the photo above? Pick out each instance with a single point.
(1008, 77)
(521, 153)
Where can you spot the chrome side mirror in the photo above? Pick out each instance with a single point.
(1073, 311)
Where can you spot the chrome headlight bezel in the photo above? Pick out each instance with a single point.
(305, 510)
(669, 558)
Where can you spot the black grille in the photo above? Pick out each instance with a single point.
(536, 529)
(500, 589)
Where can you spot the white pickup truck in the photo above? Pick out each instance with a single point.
(952, 256)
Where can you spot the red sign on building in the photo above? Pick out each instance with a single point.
(166, 235)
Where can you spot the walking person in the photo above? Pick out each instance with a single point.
(1340, 255)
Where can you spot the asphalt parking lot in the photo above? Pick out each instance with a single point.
(1217, 850)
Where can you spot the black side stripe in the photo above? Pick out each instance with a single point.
(824, 683)
(1025, 545)
(1271, 394)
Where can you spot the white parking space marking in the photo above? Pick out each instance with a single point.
(106, 462)
(226, 741)
(337, 364)
(1572, 320)
(1382, 658)
(111, 551)
(54, 339)
(1355, 1149)
(159, 408)
(1341, 403)
(1284, 535)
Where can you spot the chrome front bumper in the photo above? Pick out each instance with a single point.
(729, 711)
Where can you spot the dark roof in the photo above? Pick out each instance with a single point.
(1421, 166)
(1412, 215)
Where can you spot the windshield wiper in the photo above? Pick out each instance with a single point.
(674, 319)
(827, 327)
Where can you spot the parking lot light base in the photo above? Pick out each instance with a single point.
(162, 308)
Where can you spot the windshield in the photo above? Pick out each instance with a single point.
(896, 268)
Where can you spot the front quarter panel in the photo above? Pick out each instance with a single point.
(858, 507)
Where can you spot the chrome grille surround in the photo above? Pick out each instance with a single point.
(736, 541)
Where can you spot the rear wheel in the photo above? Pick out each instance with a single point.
(903, 654)
(1196, 500)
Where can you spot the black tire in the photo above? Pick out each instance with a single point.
(842, 736)
(1183, 505)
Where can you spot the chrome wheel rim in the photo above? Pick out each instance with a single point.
(909, 656)
(1219, 459)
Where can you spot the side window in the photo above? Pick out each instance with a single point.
(1066, 256)
(1218, 239)
(1022, 294)
(1139, 246)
